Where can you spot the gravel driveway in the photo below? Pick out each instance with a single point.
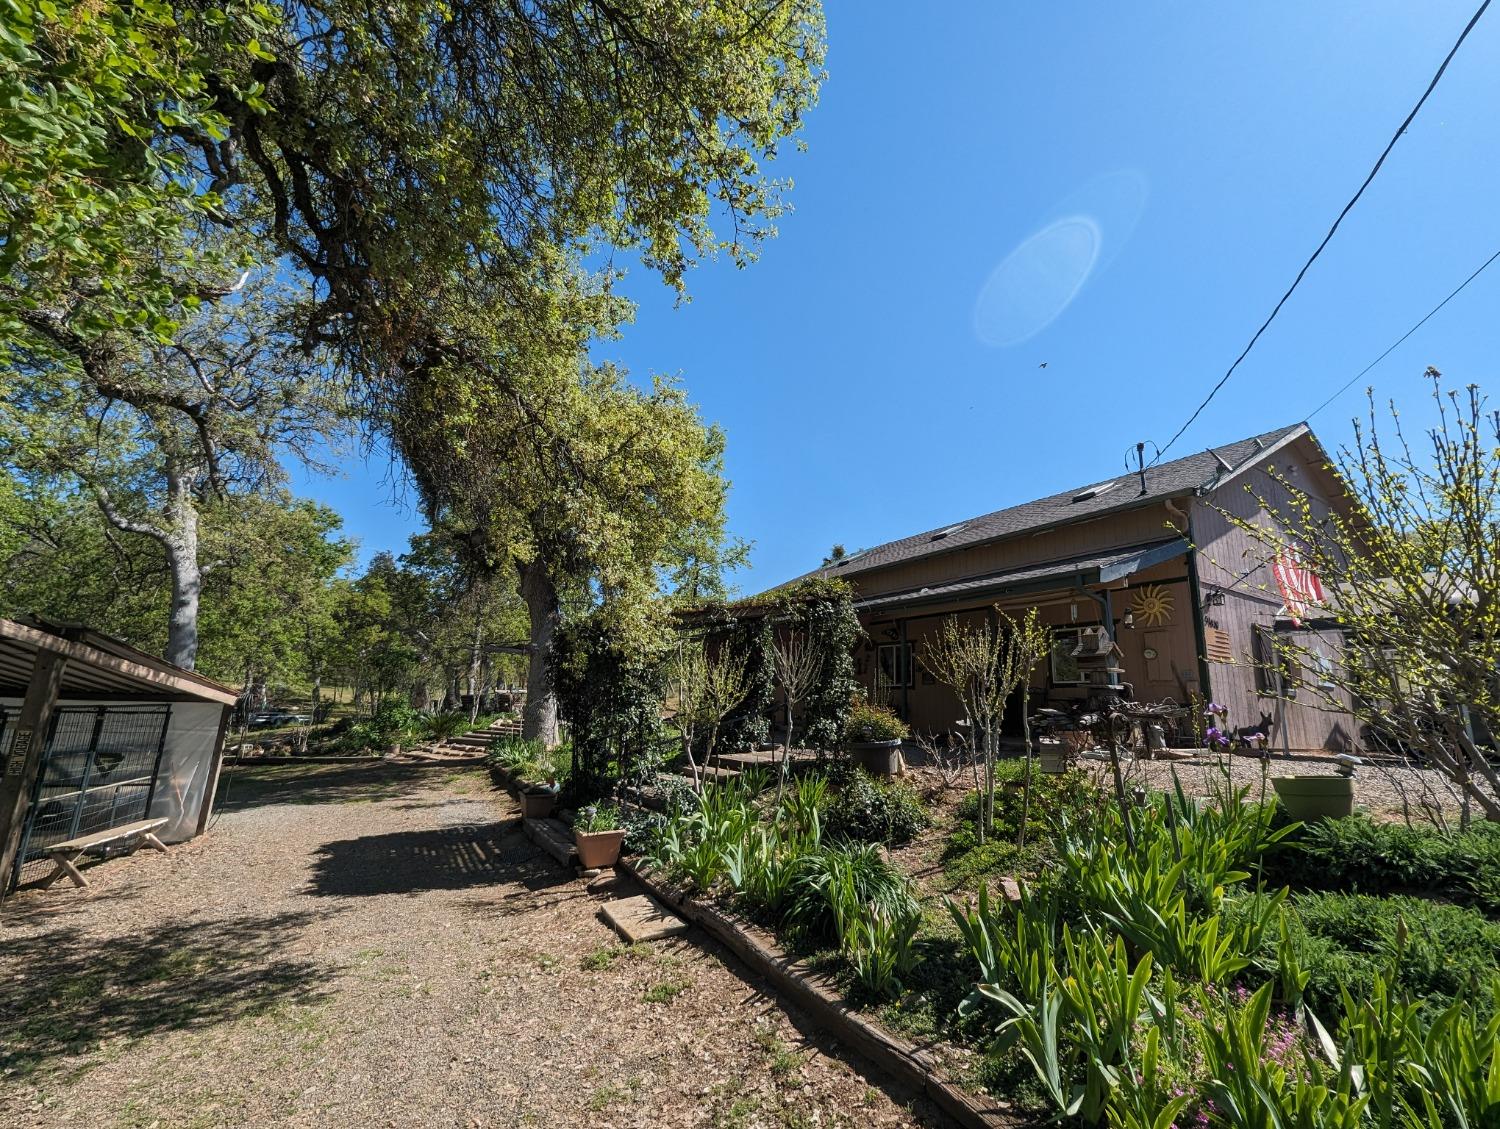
(379, 945)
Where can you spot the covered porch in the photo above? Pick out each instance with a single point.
(1145, 594)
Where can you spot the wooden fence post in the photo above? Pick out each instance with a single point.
(18, 775)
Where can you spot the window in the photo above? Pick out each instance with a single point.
(1275, 669)
(895, 664)
(1065, 670)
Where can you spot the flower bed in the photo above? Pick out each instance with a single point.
(1168, 982)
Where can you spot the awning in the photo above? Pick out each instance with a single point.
(1095, 568)
(99, 667)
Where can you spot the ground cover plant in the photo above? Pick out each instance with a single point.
(529, 759)
(775, 862)
(1154, 985)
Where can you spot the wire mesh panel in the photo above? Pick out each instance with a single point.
(98, 772)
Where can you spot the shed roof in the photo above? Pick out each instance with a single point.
(99, 666)
(1198, 472)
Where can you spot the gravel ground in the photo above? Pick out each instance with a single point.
(379, 945)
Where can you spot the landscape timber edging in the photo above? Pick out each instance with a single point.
(903, 1061)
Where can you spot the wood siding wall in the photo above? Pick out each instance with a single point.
(1231, 561)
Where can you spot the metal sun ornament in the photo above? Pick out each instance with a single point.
(1152, 605)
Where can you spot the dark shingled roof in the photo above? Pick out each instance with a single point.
(1180, 476)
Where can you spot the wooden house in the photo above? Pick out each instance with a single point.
(1185, 596)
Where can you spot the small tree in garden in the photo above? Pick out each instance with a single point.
(982, 665)
(1030, 641)
(709, 684)
(799, 665)
(1410, 568)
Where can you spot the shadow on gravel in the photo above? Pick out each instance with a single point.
(287, 782)
(446, 858)
(62, 992)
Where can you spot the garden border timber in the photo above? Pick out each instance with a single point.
(902, 1061)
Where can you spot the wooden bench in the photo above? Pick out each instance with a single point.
(127, 835)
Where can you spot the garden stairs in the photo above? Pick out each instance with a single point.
(467, 748)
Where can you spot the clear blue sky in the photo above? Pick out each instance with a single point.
(1169, 166)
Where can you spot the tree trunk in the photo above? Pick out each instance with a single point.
(187, 578)
(539, 718)
(476, 658)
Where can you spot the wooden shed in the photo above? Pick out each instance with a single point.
(96, 734)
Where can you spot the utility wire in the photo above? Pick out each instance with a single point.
(1348, 384)
(1431, 86)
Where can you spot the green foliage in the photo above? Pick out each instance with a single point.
(1357, 854)
(749, 723)
(832, 627)
(968, 860)
(394, 721)
(445, 725)
(610, 691)
(869, 722)
(1343, 941)
(872, 811)
(530, 760)
(777, 866)
(598, 817)
(1119, 981)
(99, 198)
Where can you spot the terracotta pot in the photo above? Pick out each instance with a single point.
(1315, 797)
(538, 804)
(598, 849)
(393, 749)
(878, 758)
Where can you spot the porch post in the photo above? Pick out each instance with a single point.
(905, 682)
(20, 771)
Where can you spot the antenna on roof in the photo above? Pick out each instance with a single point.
(1140, 462)
(1218, 458)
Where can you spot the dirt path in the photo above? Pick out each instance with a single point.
(379, 945)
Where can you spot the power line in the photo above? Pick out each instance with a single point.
(1431, 86)
(1461, 286)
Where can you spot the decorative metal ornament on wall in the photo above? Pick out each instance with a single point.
(1152, 605)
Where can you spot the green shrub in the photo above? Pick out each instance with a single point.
(835, 884)
(393, 720)
(868, 722)
(1346, 939)
(1361, 856)
(865, 810)
(445, 725)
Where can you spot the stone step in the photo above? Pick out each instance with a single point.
(642, 918)
(553, 837)
(706, 772)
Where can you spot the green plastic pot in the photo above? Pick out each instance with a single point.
(1315, 797)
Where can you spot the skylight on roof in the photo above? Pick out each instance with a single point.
(941, 533)
(1093, 491)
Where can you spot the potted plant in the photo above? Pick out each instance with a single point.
(1309, 798)
(874, 735)
(538, 801)
(598, 836)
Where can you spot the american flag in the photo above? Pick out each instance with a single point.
(1299, 584)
